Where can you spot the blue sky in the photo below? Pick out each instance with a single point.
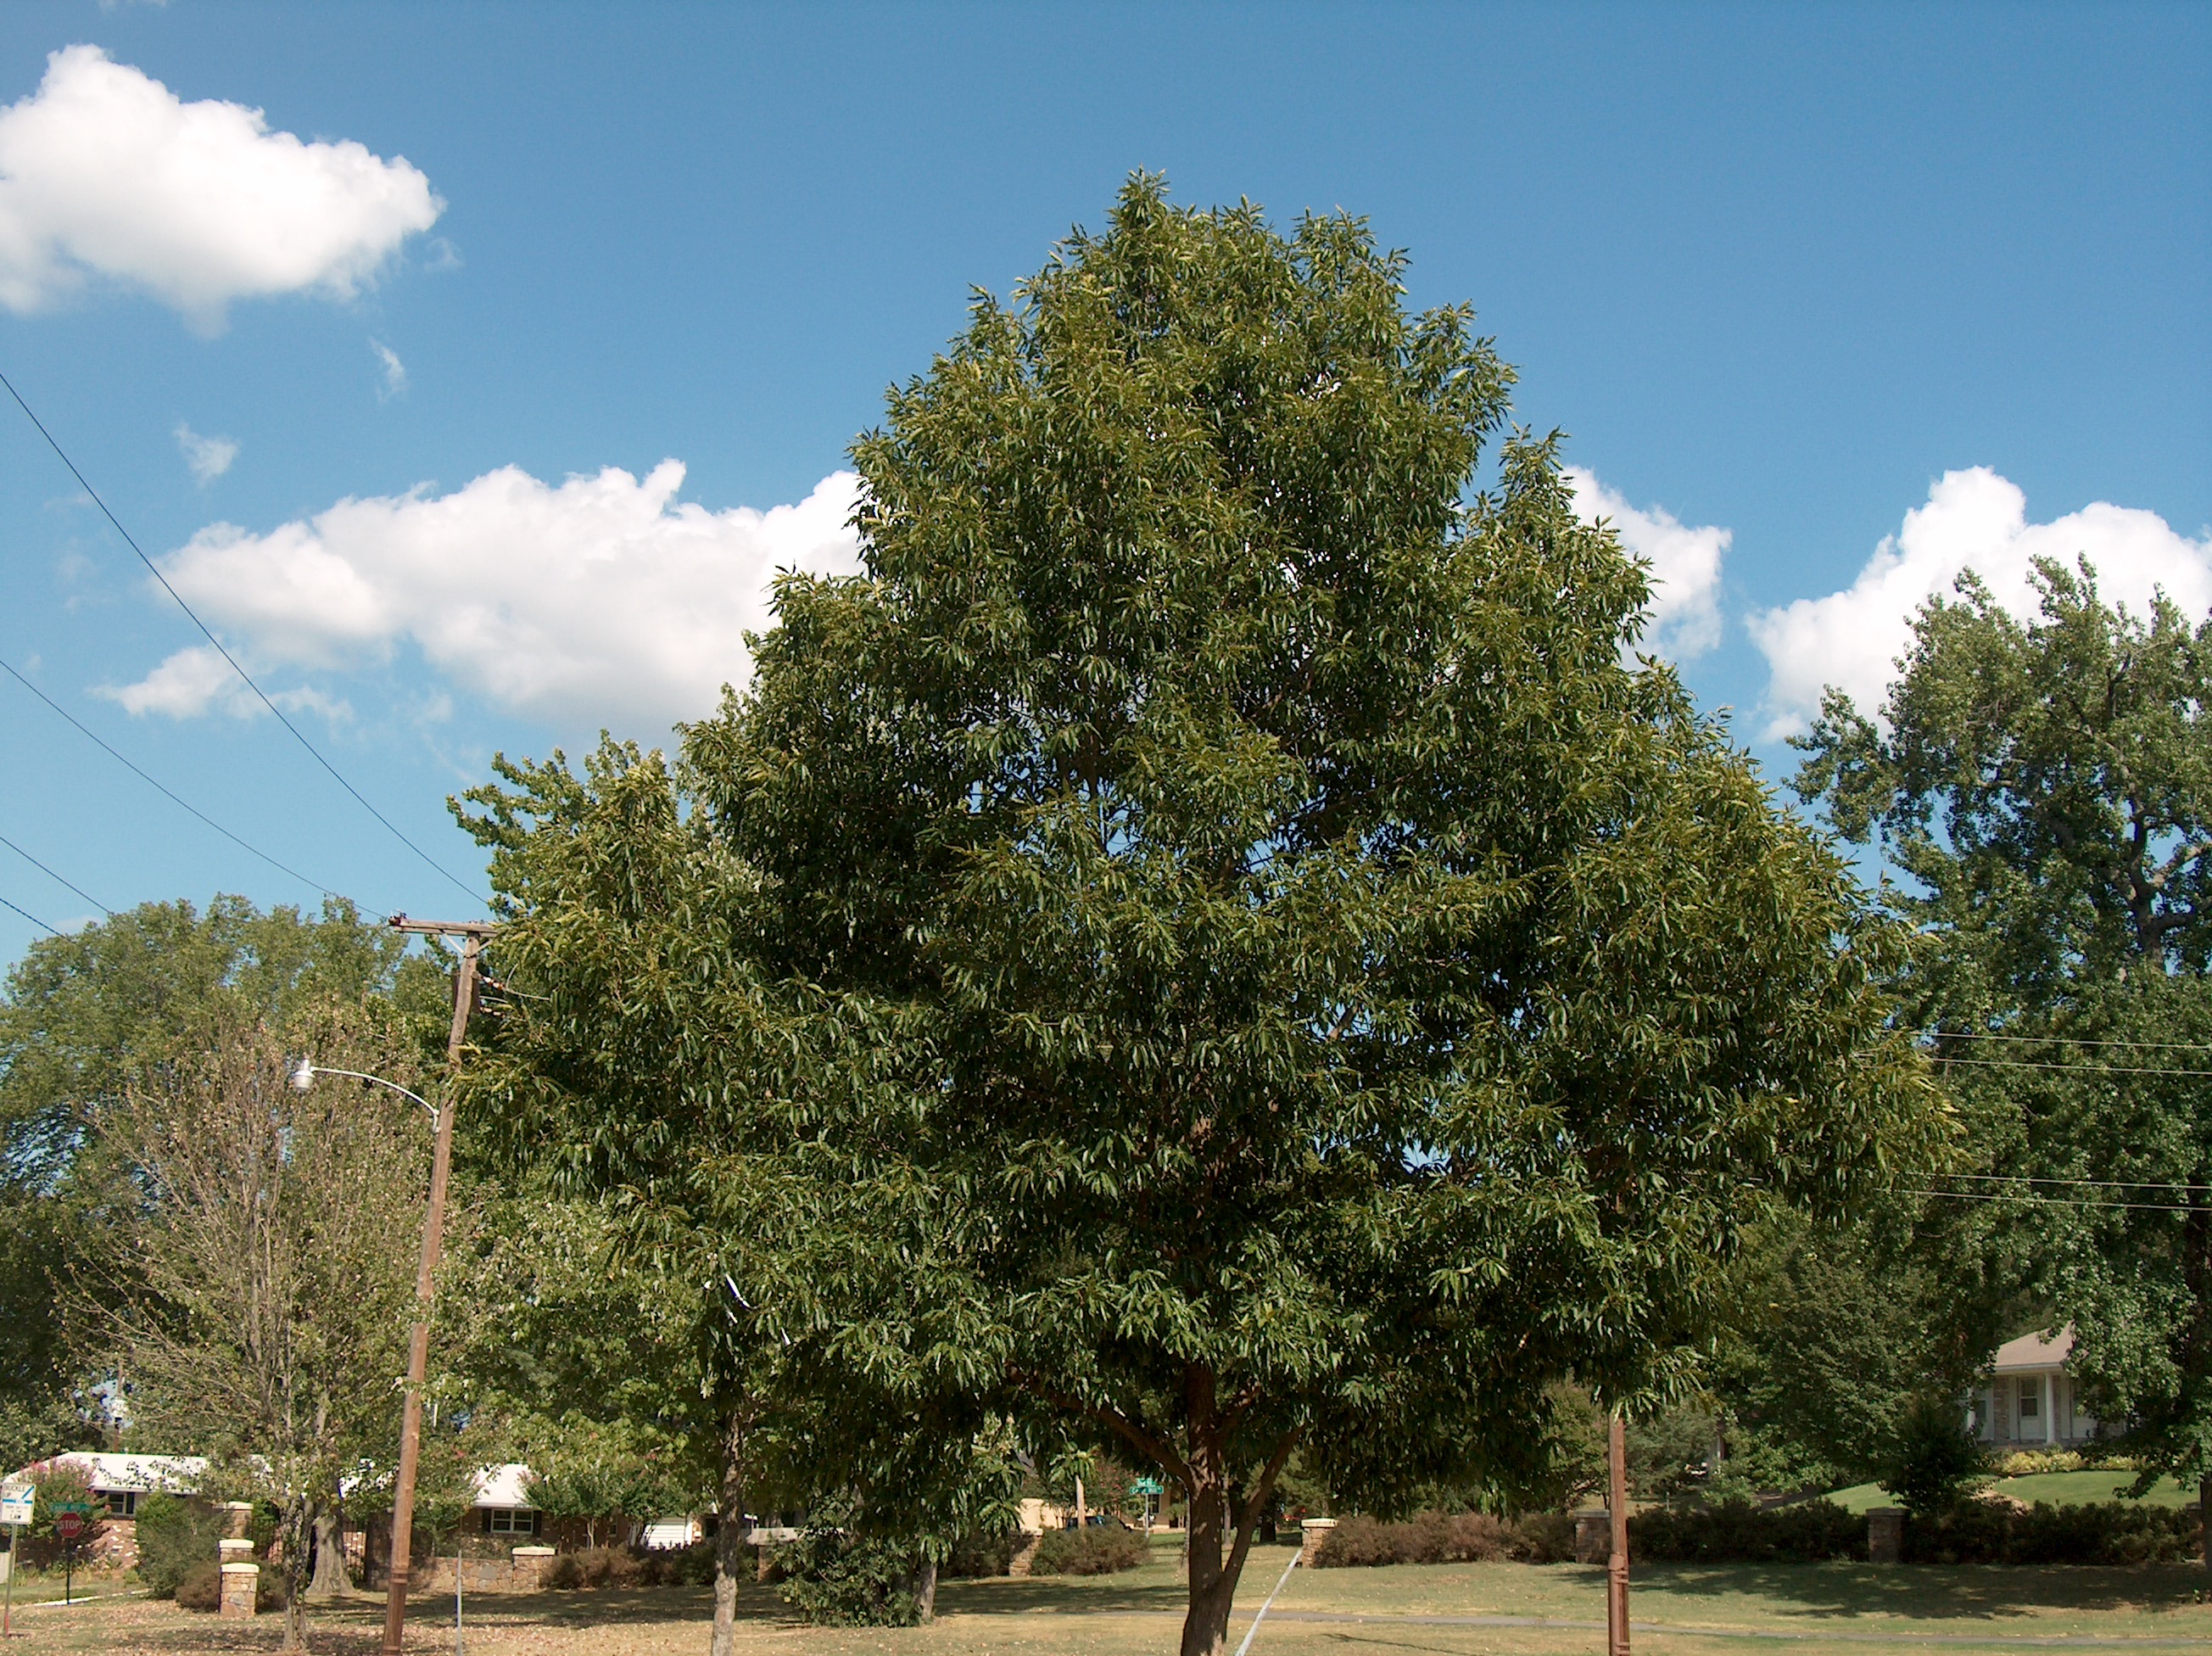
(1788, 274)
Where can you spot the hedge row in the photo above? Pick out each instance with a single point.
(2102, 1532)
(1096, 1549)
(1737, 1533)
(1435, 1537)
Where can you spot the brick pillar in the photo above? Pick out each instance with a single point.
(241, 1584)
(1885, 1535)
(1594, 1537)
(238, 1516)
(531, 1564)
(1025, 1554)
(1316, 1533)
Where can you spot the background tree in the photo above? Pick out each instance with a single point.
(84, 1017)
(2046, 787)
(1215, 895)
(261, 1299)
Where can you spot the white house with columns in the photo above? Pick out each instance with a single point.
(2028, 1399)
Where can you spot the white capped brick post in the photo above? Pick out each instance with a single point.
(1313, 1532)
(241, 1578)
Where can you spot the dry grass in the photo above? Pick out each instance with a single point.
(1681, 1610)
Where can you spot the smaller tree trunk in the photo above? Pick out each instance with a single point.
(330, 1580)
(729, 1535)
(297, 1520)
(925, 1589)
(2204, 1521)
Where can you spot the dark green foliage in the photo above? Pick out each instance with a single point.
(1437, 1537)
(2104, 1532)
(1737, 1533)
(1095, 1550)
(1213, 931)
(2046, 785)
(174, 1533)
(977, 1554)
(1934, 1460)
(200, 1587)
(61, 1483)
(1429, 1538)
(835, 1577)
(1837, 1330)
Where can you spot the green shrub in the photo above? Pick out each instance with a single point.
(200, 1588)
(692, 1566)
(1935, 1461)
(834, 1577)
(978, 1554)
(1541, 1539)
(174, 1534)
(2098, 1532)
(1429, 1538)
(1095, 1550)
(1737, 1533)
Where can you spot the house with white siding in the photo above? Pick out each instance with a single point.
(2027, 1399)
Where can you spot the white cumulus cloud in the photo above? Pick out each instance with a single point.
(1685, 566)
(1974, 520)
(208, 458)
(599, 599)
(106, 172)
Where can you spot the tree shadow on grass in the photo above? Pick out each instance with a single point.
(1054, 1595)
(1929, 1592)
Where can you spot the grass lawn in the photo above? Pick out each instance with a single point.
(2060, 1489)
(1467, 1610)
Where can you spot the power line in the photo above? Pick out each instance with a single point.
(2075, 1068)
(33, 919)
(177, 800)
(2054, 1200)
(56, 878)
(299, 735)
(2087, 1184)
(2074, 1040)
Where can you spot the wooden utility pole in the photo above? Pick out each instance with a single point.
(1616, 1565)
(472, 933)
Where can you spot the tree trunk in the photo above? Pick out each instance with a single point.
(925, 1589)
(729, 1534)
(330, 1580)
(296, 1522)
(2204, 1519)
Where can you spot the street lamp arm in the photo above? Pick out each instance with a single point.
(307, 1073)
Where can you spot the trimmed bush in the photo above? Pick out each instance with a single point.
(1542, 1538)
(1737, 1533)
(200, 1588)
(685, 1567)
(2098, 1532)
(1095, 1550)
(977, 1555)
(174, 1534)
(1429, 1538)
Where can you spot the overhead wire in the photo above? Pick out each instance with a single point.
(2073, 1040)
(2074, 1069)
(179, 801)
(50, 930)
(2054, 1200)
(298, 734)
(56, 878)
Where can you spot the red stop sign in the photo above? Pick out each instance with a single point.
(68, 1525)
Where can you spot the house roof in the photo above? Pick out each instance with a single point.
(505, 1485)
(141, 1474)
(2032, 1351)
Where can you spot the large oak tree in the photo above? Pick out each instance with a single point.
(1216, 918)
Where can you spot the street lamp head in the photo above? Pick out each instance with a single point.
(303, 1075)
